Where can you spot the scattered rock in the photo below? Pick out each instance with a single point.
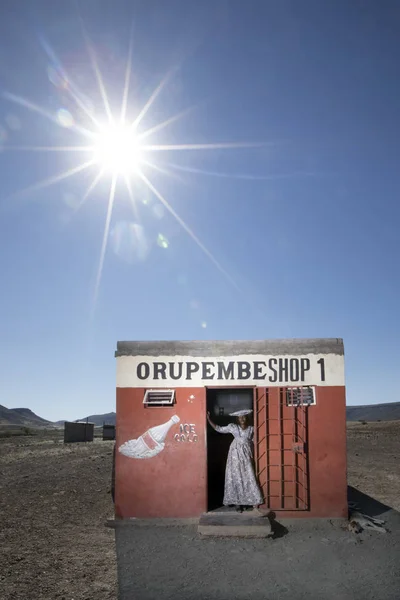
(53, 511)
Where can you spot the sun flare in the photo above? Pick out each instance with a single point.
(117, 150)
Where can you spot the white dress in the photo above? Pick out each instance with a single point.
(241, 486)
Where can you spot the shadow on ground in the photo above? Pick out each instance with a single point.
(369, 506)
(304, 559)
(278, 530)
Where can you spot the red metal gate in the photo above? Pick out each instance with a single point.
(280, 428)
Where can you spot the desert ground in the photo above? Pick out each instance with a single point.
(373, 460)
(54, 500)
(56, 497)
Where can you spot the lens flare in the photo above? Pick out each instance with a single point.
(159, 211)
(65, 118)
(112, 143)
(129, 242)
(162, 241)
(57, 78)
(13, 122)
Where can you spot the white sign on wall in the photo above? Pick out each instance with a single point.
(251, 370)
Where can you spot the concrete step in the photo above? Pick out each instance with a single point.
(234, 525)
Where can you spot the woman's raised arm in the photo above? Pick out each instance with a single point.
(209, 420)
(226, 429)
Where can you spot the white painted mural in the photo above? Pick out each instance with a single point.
(251, 370)
(150, 443)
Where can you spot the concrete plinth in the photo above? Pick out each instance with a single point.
(234, 525)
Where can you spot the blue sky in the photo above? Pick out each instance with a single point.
(304, 226)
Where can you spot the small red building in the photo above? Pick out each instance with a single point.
(170, 463)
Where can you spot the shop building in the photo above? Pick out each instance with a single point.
(171, 463)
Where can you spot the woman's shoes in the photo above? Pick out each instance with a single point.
(256, 512)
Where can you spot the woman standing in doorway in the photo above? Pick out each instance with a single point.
(241, 486)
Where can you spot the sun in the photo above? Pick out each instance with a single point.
(117, 150)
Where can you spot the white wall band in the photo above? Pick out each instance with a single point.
(230, 371)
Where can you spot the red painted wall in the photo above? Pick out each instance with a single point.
(327, 457)
(173, 483)
(327, 453)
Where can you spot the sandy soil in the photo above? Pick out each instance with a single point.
(373, 454)
(55, 498)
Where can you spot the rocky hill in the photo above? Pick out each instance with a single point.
(22, 417)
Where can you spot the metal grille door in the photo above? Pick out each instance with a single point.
(260, 439)
(280, 427)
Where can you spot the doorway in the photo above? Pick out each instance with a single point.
(280, 421)
(220, 403)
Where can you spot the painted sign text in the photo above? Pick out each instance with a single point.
(187, 433)
(275, 370)
(229, 371)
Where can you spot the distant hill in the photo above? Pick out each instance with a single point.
(374, 412)
(25, 417)
(21, 416)
(108, 419)
(98, 420)
(371, 412)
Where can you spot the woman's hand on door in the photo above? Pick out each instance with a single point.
(209, 420)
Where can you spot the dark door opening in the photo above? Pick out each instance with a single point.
(220, 403)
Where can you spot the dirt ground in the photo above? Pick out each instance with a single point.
(373, 455)
(55, 499)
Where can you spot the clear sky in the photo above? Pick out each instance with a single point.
(296, 236)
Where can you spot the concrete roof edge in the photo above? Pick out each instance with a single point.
(295, 346)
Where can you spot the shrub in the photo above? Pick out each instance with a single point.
(28, 431)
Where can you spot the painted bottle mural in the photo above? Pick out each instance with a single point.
(150, 443)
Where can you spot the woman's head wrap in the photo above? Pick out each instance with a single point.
(241, 413)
